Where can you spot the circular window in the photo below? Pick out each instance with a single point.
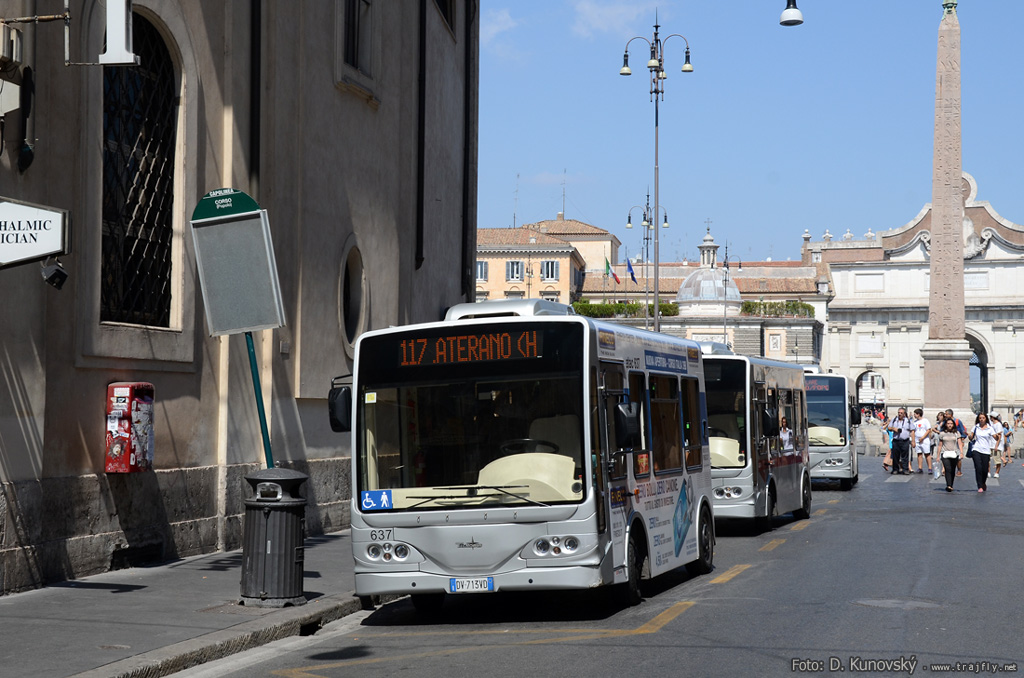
(353, 296)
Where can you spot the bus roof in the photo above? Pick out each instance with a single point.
(507, 307)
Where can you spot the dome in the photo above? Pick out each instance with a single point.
(701, 293)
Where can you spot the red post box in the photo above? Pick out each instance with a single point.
(129, 427)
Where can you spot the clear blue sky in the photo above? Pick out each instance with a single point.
(825, 125)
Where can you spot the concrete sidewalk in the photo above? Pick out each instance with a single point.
(153, 621)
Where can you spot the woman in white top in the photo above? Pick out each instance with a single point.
(985, 440)
(951, 449)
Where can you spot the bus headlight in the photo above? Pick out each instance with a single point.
(373, 551)
(570, 544)
(401, 551)
(541, 546)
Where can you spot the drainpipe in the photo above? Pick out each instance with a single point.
(28, 85)
(255, 94)
(421, 138)
(469, 157)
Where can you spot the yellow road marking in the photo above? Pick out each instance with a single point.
(664, 618)
(820, 512)
(833, 501)
(652, 626)
(730, 573)
(772, 544)
(801, 525)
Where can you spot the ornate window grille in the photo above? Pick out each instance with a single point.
(140, 109)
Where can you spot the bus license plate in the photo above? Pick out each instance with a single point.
(475, 585)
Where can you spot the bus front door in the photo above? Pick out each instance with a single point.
(615, 462)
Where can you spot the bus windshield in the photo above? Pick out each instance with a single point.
(472, 416)
(725, 382)
(826, 411)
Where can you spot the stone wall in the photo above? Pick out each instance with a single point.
(56, 529)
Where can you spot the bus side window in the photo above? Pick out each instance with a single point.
(787, 422)
(666, 427)
(799, 420)
(642, 454)
(691, 424)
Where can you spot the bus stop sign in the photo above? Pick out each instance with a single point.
(235, 261)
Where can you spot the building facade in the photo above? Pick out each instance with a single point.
(343, 120)
(518, 263)
(878, 320)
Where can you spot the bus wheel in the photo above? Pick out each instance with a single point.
(804, 512)
(846, 484)
(635, 561)
(427, 604)
(705, 545)
(369, 602)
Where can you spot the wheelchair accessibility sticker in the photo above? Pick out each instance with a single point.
(376, 500)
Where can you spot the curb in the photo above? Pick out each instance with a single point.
(292, 621)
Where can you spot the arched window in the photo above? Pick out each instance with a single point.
(140, 111)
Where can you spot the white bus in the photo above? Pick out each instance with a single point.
(832, 415)
(757, 431)
(517, 446)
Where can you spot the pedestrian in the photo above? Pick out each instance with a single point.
(951, 450)
(922, 440)
(1008, 433)
(963, 435)
(984, 439)
(901, 427)
(940, 417)
(997, 452)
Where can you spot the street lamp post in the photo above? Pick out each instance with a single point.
(648, 224)
(725, 292)
(656, 66)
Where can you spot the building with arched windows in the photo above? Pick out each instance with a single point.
(348, 121)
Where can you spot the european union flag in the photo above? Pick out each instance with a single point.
(629, 269)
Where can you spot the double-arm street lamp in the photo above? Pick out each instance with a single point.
(648, 225)
(656, 66)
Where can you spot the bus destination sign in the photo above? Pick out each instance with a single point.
(818, 384)
(451, 349)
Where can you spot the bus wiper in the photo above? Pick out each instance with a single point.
(472, 491)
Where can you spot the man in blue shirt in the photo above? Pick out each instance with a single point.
(901, 426)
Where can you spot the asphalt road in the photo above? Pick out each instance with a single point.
(890, 578)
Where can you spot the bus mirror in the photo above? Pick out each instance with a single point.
(855, 416)
(339, 406)
(770, 422)
(627, 425)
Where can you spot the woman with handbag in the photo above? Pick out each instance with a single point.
(951, 449)
(985, 440)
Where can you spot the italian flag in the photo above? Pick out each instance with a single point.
(608, 270)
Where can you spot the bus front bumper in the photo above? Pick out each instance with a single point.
(831, 467)
(525, 579)
(731, 508)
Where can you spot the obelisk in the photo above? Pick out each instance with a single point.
(947, 353)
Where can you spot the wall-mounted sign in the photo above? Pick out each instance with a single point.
(31, 232)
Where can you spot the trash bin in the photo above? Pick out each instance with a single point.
(273, 538)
